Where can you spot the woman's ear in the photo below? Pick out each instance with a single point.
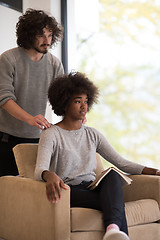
(66, 108)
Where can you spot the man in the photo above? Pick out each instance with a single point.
(25, 74)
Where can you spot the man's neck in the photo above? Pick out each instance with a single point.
(34, 55)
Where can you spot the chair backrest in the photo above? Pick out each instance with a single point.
(100, 165)
(26, 155)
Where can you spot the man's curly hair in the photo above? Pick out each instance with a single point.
(32, 23)
(64, 87)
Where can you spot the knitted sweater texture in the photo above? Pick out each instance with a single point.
(72, 154)
(26, 82)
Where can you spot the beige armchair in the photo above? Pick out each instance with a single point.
(26, 214)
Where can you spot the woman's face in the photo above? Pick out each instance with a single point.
(77, 107)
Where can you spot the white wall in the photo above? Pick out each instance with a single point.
(36, 4)
(8, 20)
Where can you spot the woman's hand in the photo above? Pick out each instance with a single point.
(53, 186)
(158, 172)
(151, 171)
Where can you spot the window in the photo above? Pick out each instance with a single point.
(117, 46)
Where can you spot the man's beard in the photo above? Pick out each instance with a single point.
(42, 51)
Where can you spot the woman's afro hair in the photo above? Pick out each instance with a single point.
(63, 88)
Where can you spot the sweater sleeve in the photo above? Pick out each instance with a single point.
(111, 155)
(45, 150)
(6, 79)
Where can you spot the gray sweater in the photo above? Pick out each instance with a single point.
(26, 82)
(72, 154)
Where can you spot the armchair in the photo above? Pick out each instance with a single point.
(25, 212)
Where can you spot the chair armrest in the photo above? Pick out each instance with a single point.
(25, 212)
(143, 187)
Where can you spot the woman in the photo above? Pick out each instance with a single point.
(67, 155)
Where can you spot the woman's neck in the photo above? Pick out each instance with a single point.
(69, 125)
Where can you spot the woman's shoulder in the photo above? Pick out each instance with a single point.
(91, 129)
(93, 133)
(51, 131)
(49, 135)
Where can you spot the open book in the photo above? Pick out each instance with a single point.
(125, 179)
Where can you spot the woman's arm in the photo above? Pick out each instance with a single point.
(111, 155)
(44, 169)
(53, 186)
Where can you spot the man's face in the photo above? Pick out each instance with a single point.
(43, 42)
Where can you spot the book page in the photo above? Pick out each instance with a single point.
(125, 179)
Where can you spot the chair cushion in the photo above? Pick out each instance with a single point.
(137, 212)
(25, 156)
(142, 211)
(86, 219)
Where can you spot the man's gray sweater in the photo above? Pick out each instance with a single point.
(26, 82)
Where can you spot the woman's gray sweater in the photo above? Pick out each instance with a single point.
(72, 154)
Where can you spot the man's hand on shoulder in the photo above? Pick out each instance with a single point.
(16, 111)
(39, 121)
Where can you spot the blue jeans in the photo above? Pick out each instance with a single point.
(107, 197)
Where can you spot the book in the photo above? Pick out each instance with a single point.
(124, 178)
